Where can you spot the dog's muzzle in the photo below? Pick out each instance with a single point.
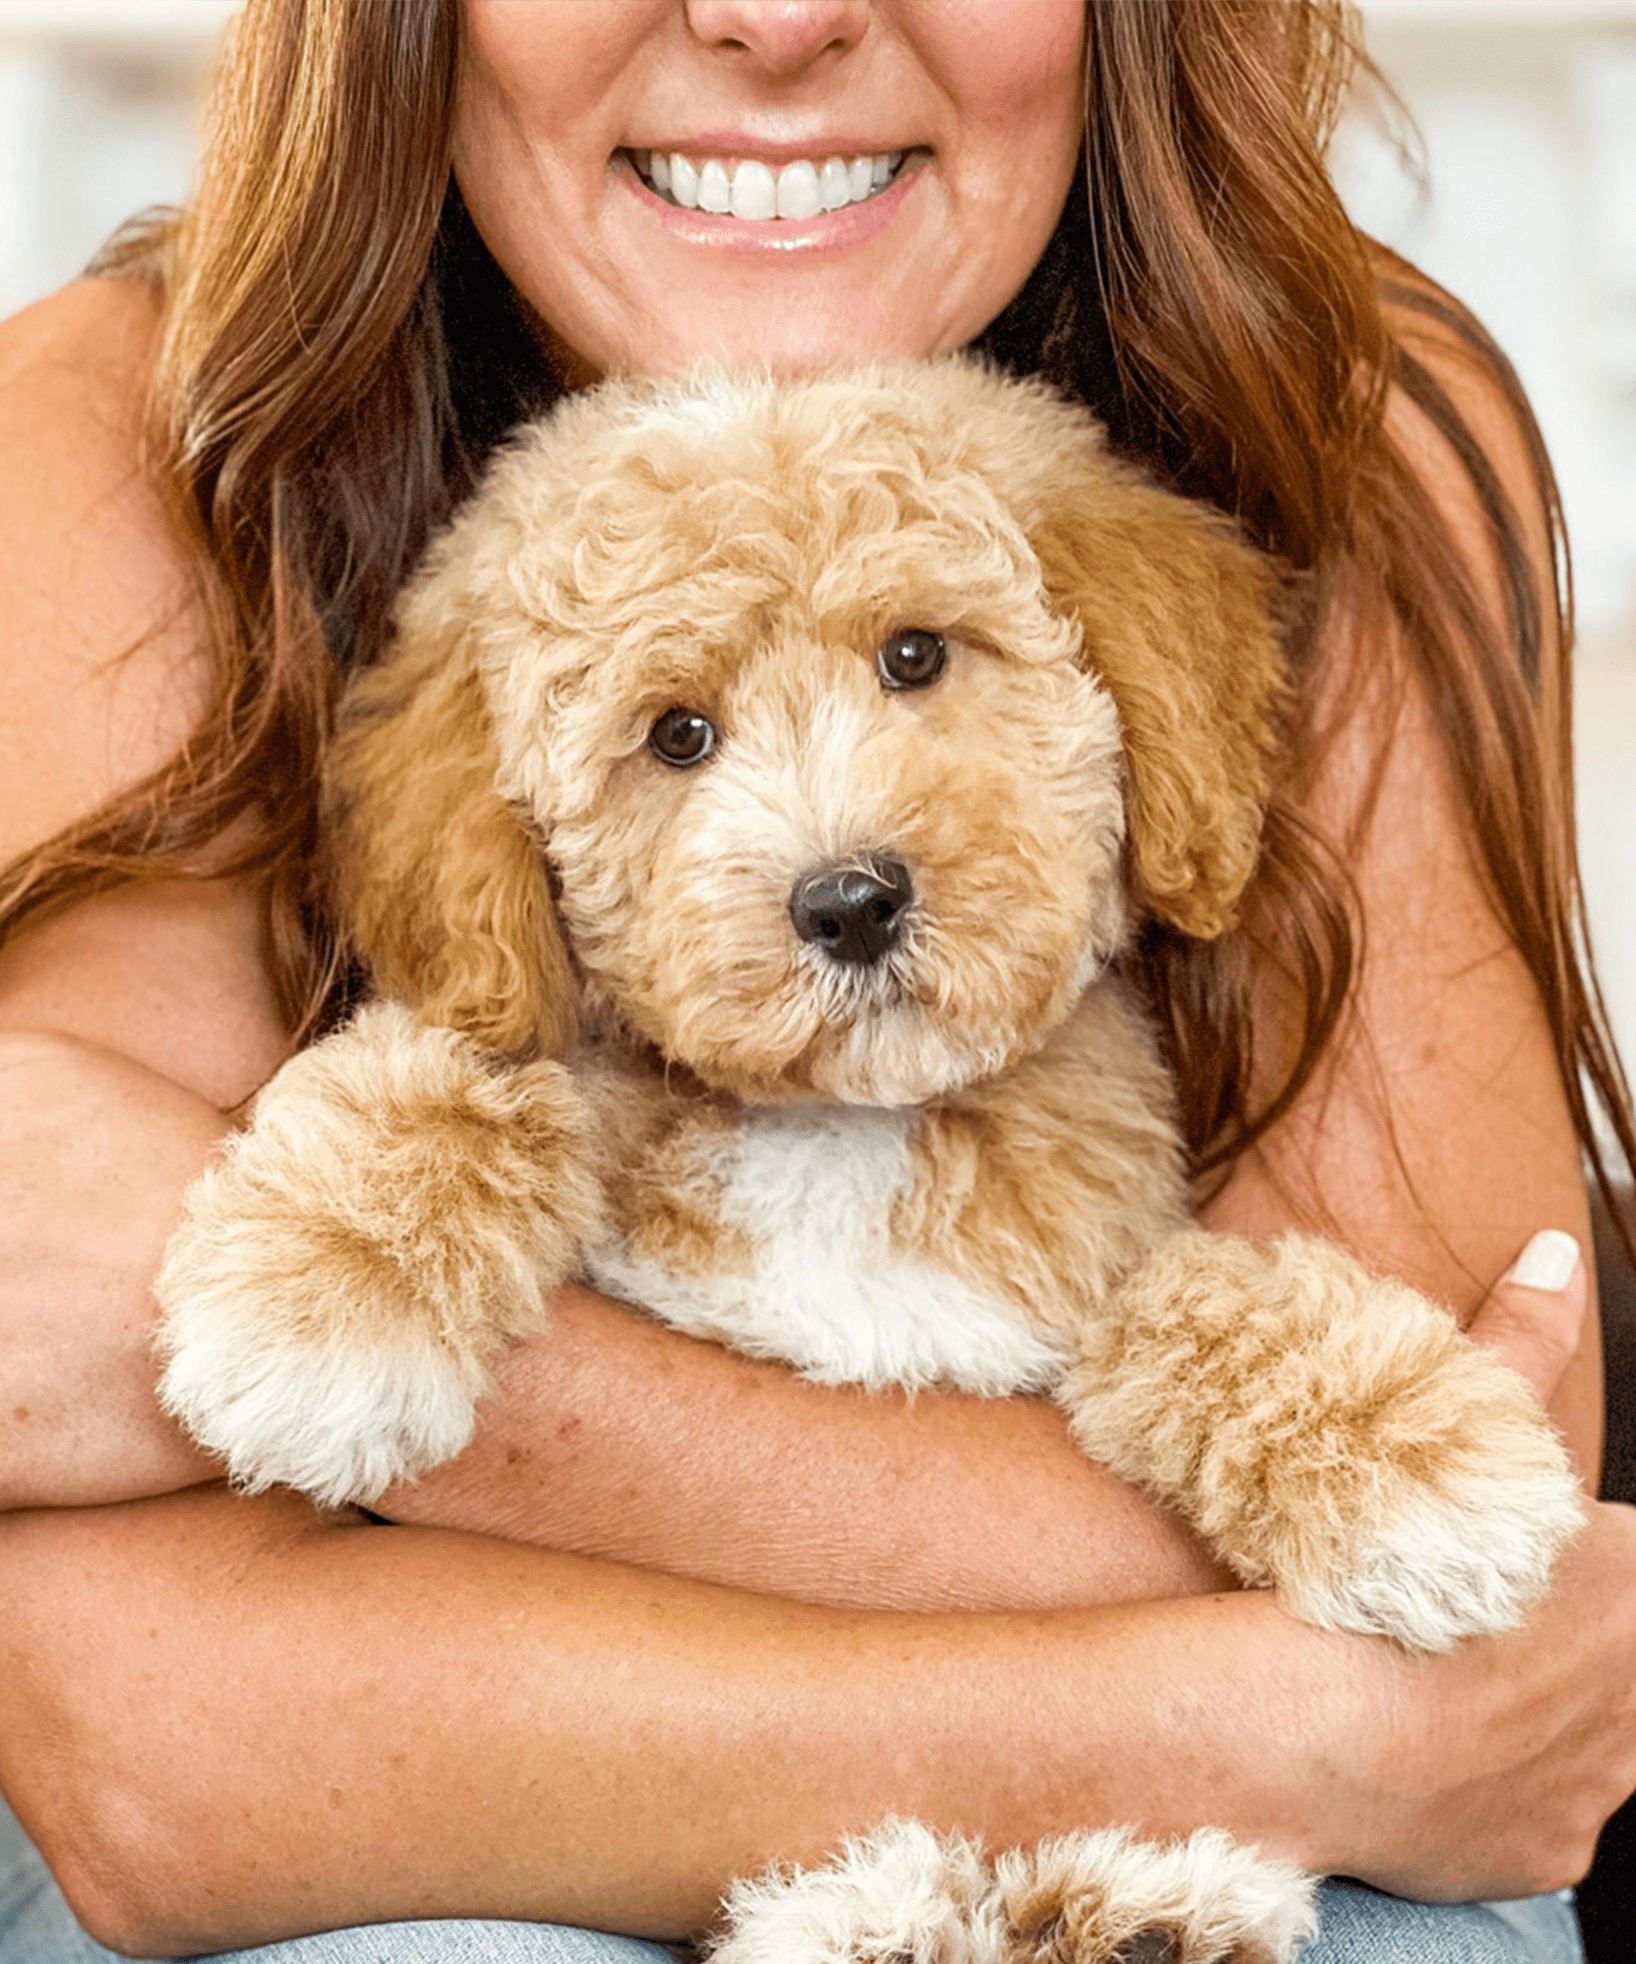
(854, 913)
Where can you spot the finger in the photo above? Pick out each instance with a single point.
(1535, 1312)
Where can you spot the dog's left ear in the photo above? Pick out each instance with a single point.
(1182, 621)
(441, 888)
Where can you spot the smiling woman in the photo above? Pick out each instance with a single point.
(955, 130)
(677, 1614)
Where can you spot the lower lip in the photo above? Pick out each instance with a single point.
(830, 231)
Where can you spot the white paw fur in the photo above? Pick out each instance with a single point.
(1086, 1898)
(343, 1278)
(1332, 1435)
(330, 1418)
(899, 1895)
(905, 1895)
(1438, 1569)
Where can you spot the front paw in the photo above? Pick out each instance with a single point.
(1108, 1897)
(899, 1895)
(1331, 1434)
(343, 1279)
(1456, 1499)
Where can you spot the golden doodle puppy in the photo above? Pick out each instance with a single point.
(743, 834)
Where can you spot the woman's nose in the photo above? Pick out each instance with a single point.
(781, 36)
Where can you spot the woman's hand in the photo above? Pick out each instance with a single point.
(94, 1152)
(1490, 1771)
(1533, 1317)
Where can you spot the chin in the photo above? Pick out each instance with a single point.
(903, 1058)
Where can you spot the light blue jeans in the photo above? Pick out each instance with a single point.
(1357, 1927)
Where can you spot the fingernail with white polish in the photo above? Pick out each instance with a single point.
(1548, 1262)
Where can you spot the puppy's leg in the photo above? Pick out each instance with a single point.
(904, 1895)
(1093, 1898)
(1331, 1434)
(899, 1895)
(345, 1275)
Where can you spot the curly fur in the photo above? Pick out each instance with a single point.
(904, 1895)
(284, 1343)
(1099, 619)
(1328, 1432)
(608, 1051)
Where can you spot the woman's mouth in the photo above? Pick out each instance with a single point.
(746, 188)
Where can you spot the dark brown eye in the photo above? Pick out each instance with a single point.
(913, 658)
(682, 737)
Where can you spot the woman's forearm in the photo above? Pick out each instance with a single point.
(615, 1437)
(367, 1723)
(226, 1721)
(95, 1151)
(609, 1435)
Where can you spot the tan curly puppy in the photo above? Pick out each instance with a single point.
(743, 834)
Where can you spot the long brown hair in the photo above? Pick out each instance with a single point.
(340, 355)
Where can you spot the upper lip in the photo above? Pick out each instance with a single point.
(758, 150)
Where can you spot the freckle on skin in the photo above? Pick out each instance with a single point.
(336, 1797)
(569, 1427)
(20, 1413)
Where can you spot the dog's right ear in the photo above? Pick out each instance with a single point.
(443, 893)
(1182, 623)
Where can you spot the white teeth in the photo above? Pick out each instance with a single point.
(752, 190)
(715, 188)
(797, 190)
(684, 181)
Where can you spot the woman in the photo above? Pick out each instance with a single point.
(756, 1614)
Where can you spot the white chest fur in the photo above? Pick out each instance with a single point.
(811, 1190)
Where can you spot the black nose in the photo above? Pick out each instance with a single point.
(852, 912)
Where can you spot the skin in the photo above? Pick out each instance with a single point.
(985, 95)
(531, 1729)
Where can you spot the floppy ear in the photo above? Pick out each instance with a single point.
(442, 891)
(1182, 621)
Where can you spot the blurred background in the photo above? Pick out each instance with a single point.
(1528, 112)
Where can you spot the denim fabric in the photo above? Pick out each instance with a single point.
(1357, 1926)
(37, 1927)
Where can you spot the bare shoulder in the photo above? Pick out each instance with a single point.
(97, 329)
(104, 670)
(1458, 416)
(1435, 1136)
(101, 671)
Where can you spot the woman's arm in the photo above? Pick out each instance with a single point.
(1436, 1133)
(128, 1025)
(254, 1723)
(608, 1435)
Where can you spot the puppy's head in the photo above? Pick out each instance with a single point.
(838, 729)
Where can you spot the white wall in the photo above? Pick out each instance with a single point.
(1529, 117)
(98, 102)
